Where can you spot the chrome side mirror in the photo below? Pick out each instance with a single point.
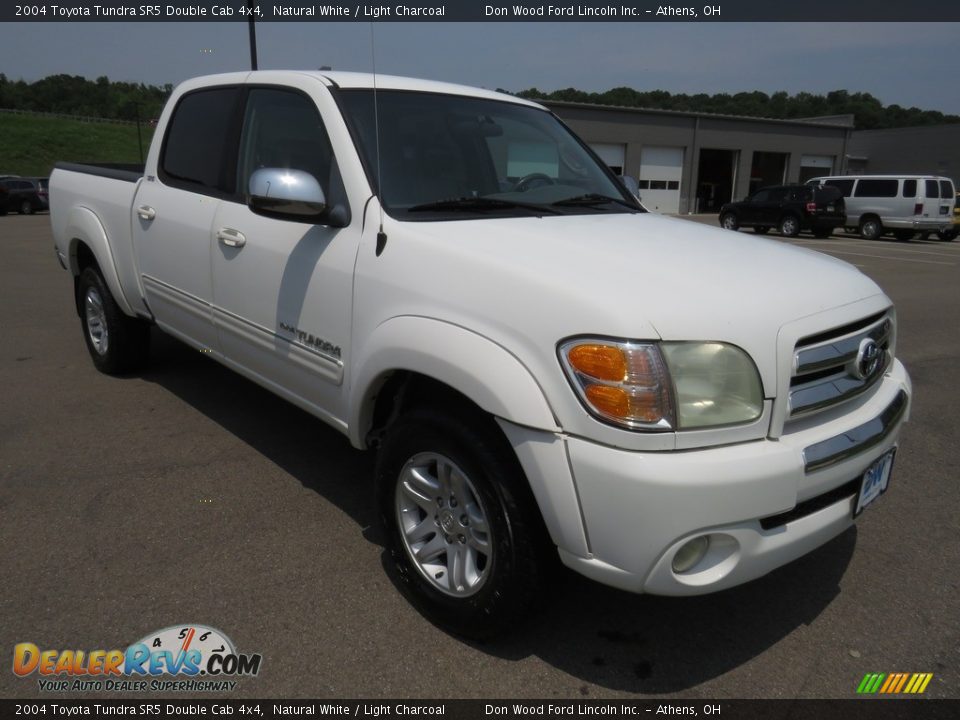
(286, 194)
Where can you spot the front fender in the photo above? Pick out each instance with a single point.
(84, 226)
(473, 365)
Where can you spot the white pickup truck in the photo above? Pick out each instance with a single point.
(452, 278)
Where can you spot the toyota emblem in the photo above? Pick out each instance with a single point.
(868, 359)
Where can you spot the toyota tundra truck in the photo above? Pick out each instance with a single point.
(452, 279)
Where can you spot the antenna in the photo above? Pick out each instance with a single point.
(381, 235)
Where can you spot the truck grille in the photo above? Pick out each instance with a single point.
(833, 367)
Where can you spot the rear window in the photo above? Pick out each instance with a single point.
(946, 189)
(933, 188)
(876, 188)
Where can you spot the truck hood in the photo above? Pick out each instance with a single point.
(642, 276)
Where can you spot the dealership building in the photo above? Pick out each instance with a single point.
(689, 162)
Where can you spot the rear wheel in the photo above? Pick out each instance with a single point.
(117, 343)
(728, 221)
(26, 208)
(789, 226)
(947, 235)
(463, 530)
(871, 228)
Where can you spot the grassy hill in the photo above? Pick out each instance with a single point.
(31, 144)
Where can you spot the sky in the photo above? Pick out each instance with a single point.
(901, 63)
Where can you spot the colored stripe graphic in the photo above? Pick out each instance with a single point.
(894, 683)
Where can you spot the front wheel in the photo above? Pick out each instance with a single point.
(117, 343)
(463, 532)
(729, 221)
(26, 208)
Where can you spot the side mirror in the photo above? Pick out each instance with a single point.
(291, 195)
(631, 184)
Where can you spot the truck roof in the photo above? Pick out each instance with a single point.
(345, 79)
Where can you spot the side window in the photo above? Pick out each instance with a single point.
(909, 189)
(283, 129)
(195, 148)
(877, 188)
(844, 186)
(933, 188)
(778, 194)
(946, 189)
(761, 196)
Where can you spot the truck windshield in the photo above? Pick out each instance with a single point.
(451, 156)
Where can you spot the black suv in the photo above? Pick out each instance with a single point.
(789, 208)
(24, 195)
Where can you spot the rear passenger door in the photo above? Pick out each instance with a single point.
(173, 213)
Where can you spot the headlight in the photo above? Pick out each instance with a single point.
(663, 386)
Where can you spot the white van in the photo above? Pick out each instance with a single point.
(901, 204)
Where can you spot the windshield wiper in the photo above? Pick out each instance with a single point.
(481, 203)
(593, 199)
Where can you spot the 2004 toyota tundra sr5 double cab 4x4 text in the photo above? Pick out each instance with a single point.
(450, 276)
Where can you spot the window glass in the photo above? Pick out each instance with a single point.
(909, 189)
(933, 188)
(877, 188)
(196, 139)
(845, 186)
(282, 129)
(761, 196)
(673, 184)
(946, 189)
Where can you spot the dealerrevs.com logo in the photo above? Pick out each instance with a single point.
(184, 658)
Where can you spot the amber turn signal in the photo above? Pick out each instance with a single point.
(603, 362)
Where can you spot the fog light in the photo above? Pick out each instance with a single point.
(690, 553)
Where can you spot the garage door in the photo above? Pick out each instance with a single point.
(815, 165)
(661, 169)
(613, 155)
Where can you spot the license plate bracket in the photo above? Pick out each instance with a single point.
(874, 481)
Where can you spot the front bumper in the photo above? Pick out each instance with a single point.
(763, 503)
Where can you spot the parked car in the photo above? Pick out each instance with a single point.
(545, 371)
(788, 208)
(26, 195)
(901, 204)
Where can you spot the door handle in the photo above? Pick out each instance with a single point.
(146, 212)
(231, 237)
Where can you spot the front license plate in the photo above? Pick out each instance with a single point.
(875, 481)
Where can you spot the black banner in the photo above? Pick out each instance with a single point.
(860, 709)
(484, 11)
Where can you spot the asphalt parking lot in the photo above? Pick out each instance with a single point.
(187, 494)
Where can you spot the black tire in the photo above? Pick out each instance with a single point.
(729, 221)
(506, 583)
(789, 226)
(903, 235)
(871, 228)
(26, 208)
(947, 235)
(761, 229)
(117, 343)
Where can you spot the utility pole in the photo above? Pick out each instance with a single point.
(253, 35)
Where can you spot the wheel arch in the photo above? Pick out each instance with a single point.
(88, 242)
(409, 358)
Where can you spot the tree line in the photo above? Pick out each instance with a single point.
(869, 113)
(75, 95)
